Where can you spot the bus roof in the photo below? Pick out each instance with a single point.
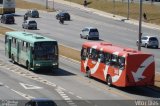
(28, 37)
(110, 48)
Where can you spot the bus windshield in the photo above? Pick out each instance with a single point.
(45, 51)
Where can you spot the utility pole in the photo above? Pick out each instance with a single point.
(128, 10)
(113, 8)
(53, 4)
(140, 26)
(46, 4)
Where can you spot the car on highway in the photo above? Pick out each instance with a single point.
(63, 14)
(29, 24)
(7, 19)
(89, 33)
(33, 13)
(40, 102)
(149, 41)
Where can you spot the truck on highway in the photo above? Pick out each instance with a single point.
(7, 6)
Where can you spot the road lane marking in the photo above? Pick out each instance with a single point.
(28, 86)
(79, 97)
(28, 97)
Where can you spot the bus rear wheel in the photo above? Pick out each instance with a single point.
(88, 73)
(109, 81)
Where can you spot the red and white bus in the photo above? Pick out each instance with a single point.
(117, 66)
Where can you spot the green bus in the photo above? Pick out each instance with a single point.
(34, 51)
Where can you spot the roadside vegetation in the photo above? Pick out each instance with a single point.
(3, 30)
(30, 5)
(120, 8)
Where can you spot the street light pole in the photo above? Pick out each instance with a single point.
(128, 11)
(53, 4)
(140, 26)
(46, 4)
(113, 8)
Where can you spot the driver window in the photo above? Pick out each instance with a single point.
(83, 53)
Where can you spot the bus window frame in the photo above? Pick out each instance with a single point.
(120, 63)
(94, 54)
(114, 61)
(101, 56)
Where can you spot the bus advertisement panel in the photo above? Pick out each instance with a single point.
(7, 6)
(32, 50)
(117, 66)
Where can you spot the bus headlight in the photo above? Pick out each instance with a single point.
(54, 64)
(38, 65)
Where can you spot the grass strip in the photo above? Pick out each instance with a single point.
(121, 8)
(30, 5)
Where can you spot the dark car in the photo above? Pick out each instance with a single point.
(33, 13)
(7, 19)
(41, 102)
(63, 15)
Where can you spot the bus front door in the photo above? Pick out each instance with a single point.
(9, 48)
(18, 51)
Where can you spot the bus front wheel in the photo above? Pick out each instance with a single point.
(109, 81)
(88, 73)
(13, 61)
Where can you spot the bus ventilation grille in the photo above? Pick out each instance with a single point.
(130, 50)
(106, 44)
(39, 37)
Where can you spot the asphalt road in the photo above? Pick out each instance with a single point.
(67, 86)
(114, 31)
(67, 82)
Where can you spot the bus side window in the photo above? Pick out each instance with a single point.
(121, 62)
(101, 57)
(94, 54)
(114, 60)
(24, 46)
(14, 41)
(27, 47)
(83, 53)
(107, 58)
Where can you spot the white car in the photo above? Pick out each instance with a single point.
(149, 41)
(29, 24)
(89, 33)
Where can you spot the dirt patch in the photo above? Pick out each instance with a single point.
(69, 52)
(30, 5)
(3, 30)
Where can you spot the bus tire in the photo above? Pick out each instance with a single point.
(109, 81)
(12, 57)
(28, 66)
(88, 73)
